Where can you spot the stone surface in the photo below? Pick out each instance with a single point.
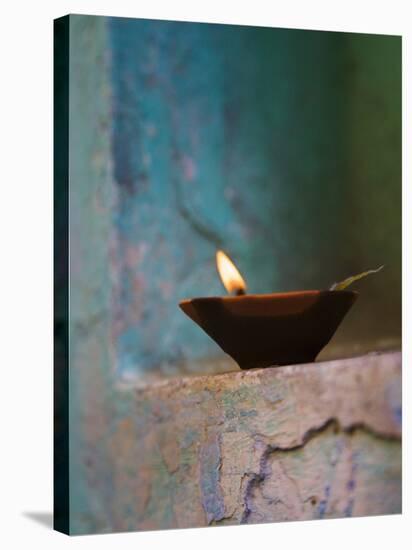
(287, 443)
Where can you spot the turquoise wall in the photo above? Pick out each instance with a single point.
(280, 146)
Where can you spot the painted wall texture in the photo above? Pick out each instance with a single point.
(261, 446)
(283, 148)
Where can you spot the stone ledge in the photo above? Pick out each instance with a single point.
(330, 389)
(284, 443)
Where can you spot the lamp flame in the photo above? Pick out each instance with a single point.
(231, 278)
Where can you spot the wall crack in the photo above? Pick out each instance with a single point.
(257, 479)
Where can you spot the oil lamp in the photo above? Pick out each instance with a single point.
(262, 330)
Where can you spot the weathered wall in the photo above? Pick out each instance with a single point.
(280, 146)
(287, 443)
(92, 399)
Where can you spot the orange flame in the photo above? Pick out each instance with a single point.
(231, 278)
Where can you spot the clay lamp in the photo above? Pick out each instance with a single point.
(262, 330)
